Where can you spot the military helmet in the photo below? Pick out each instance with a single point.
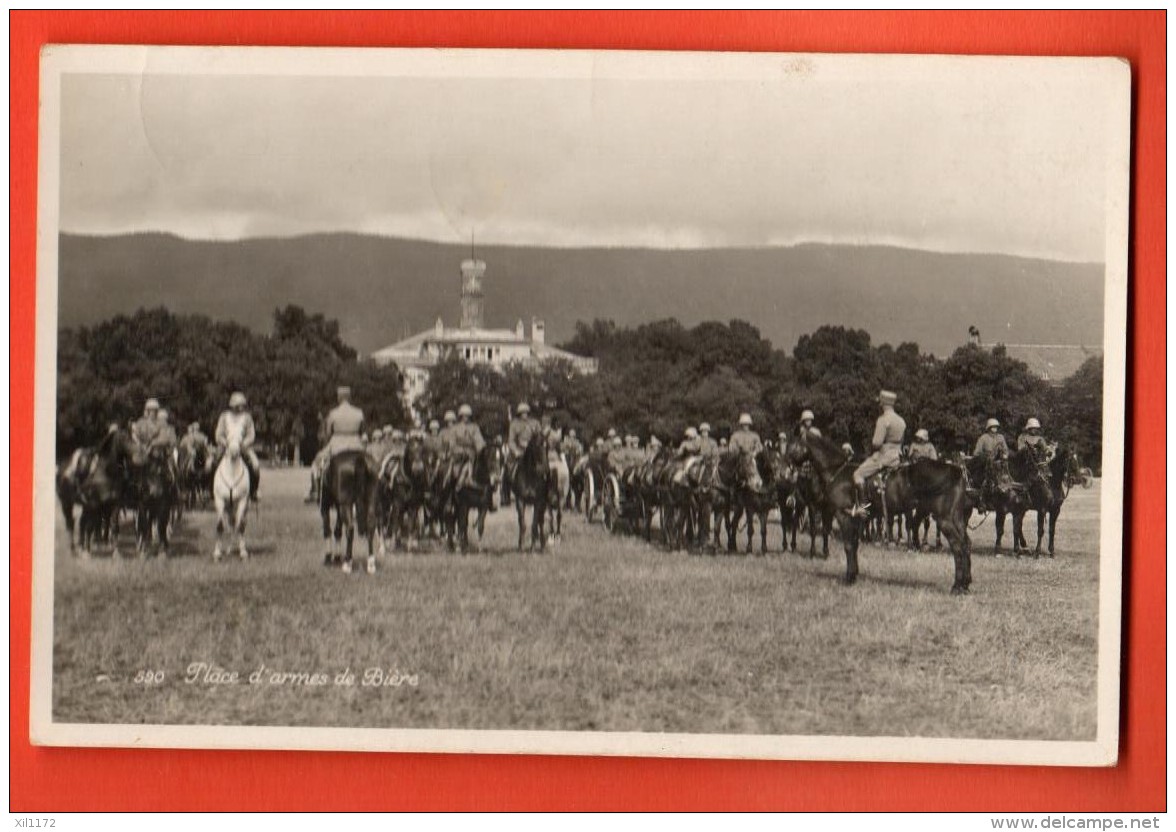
(434, 424)
(922, 434)
(163, 414)
(612, 433)
(465, 410)
(1032, 423)
(723, 442)
(617, 442)
(152, 404)
(691, 433)
(450, 416)
(704, 427)
(388, 429)
(745, 419)
(992, 423)
(848, 448)
(523, 408)
(194, 426)
(397, 433)
(237, 399)
(377, 434)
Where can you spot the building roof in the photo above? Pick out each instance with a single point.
(411, 351)
(1052, 362)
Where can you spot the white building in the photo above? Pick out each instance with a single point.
(472, 342)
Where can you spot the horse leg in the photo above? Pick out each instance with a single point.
(242, 511)
(521, 511)
(1053, 524)
(1041, 514)
(999, 523)
(325, 511)
(849, 533)
(349, 529)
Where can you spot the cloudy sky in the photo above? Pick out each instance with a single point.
(989, 157)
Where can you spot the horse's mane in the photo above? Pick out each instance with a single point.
(536, 450)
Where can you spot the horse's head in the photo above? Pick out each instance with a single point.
(535, 454)
(416, 461)
(749, 471)
(233, 450)
(798, 452)
(489, 464)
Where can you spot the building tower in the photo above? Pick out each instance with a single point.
(472, 299)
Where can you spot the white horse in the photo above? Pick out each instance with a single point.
(230, 493)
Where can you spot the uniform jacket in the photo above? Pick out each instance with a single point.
(746, 441)
(521, 431)
(1028, 440)
(990, 445)
(923, 450)
(144, 431)
(888, 430)
(707, 446)
(165, 437)
(343, 426)
(572, 448)
(467, 437)
(238, 426)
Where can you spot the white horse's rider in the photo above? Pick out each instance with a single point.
(236, 424)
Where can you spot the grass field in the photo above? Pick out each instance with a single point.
(601, 633)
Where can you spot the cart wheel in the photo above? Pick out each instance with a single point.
(611, 504)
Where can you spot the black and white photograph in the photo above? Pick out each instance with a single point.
(656, 404)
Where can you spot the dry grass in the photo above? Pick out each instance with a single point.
(603, 633)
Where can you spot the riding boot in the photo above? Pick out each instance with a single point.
(861, 508)
(254, 481)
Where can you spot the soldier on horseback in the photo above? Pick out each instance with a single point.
(144, 430)
(1031, 438)
(571, 447)
(887, 443)
(993, 451)
(466, 443)
(806, 423)
(434, 443)
(707, 446)
(744, 439)
(522, 428)
(236, 424)
(922, 448)
(194, 440)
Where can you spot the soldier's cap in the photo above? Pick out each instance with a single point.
(237, 399)
(152, 404)
(704, 427)
(992, 423)
(465, 410)
(691, 433)
(807, 416)
(343, 390)
(745, 418)
(921, 433)
(887, 397)
(433, 423)
(523, 408)
(1033, 424)
(449, 416)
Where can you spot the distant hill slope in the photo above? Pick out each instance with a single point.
(383, 288)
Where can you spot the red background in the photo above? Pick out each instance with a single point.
(118, 779)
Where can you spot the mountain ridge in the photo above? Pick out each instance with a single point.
(896, 293)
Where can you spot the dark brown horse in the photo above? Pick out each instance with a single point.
(530, 486)
(106, 487)
(938, 488)
(1058, 467)
(157, 494)
(349, 488)
(477, 495)
(70, 476)
(403, 489)
(814, 508)
(757, 503)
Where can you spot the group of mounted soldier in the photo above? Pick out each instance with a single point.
(432, 476)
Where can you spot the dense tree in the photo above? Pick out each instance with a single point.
(192, 364)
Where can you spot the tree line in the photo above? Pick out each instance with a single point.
(192, 364)
(656, 378)
(660, 377)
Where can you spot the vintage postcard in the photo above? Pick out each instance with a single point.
(661, 404)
